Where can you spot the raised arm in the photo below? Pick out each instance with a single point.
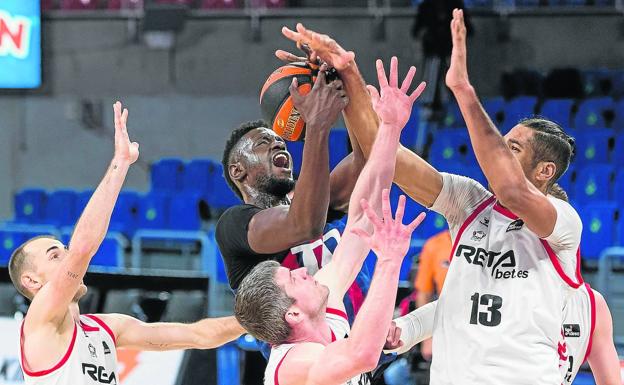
(414, 175)
(160, 336)
(360, 352)
(279, 228)
(393, 107)
(501, 168)
(51, 303)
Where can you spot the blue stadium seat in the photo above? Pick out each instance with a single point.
(593, 145)
(109, 254)
(338, 146)
(453, 117)
(591, 113)
(221, 196)
(618, 189)
(470, 171)
(196, 176)
(592, 183)
(167, 175)
(125, 215)
(449, 145)
(558, 110)
(599, 221)
(296, 152)
(82, 198)
(30, 205)
(9, 241)
(153, 211)
(594, 82)
(495, 108)
(618, 85)
(517, 109)
(184, 211)
(410, 131)
(61, 208)
(617, 156)
(433, 224)
(618, 122)
(567, 181)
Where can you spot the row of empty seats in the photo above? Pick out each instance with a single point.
(592, 113)
(536, 3)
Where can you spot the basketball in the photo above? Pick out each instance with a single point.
(277, 105)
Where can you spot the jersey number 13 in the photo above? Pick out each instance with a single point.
(485, 309)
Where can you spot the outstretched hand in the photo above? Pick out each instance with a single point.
(391, 238)
(320, 107)
(316, 45)
(394, 106)
(124, 149)
(457, 75)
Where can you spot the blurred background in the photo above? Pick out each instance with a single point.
(190, 71)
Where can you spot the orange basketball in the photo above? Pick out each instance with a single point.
(276, 103)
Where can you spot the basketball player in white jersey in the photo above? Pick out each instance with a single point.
(58, 345)
(515, 258)
(303, 317)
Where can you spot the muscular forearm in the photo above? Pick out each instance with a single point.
(499, 165)
(369, 331)
(213, 332)
(93, 223)
(308, 210)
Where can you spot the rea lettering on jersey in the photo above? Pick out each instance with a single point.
(502, 265)
(98, 373)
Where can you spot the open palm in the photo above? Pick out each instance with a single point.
(393, 105)
(125, 150)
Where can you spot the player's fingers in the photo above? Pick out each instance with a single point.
(117, 114)
(386, 210)
(294, 90)
(407, 82)
(397, 335)
(288, 57)
(381, 74)
(416, 222)
(398, 216)
(418, 91)
(394, 72)
(124, 120)
(370, 214)
(290, 34)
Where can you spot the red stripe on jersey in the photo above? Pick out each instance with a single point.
(506, 212)
(337, 312)
(332, 335)
(468, 221)
(57, 366)
(88, 328)
(275, 377)
(555, 261)
(103, 325)
(592, 301)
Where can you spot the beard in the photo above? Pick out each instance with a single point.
(272, 185)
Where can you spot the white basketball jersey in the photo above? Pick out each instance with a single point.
(339, 326)
(91, 358)
(579, 321)
(499, 316)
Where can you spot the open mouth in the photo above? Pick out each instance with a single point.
(281, 160)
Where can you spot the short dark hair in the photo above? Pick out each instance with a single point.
(550, 143)
(232, 141)
(18, 262)
(260, 305)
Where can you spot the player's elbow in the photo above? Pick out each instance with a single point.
(366, 360)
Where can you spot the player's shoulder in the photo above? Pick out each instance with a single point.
(564, 208)
(234, 215)
(297, 362)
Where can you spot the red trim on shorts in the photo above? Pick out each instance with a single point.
(468, 221)
(555, 261)
(506, 212)
(592, 301)
(337, 312)
(275, 377)
(103, 325)
(62, 362)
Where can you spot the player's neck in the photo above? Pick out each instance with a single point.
(74, 311)
(312, 330)
(264, 200)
